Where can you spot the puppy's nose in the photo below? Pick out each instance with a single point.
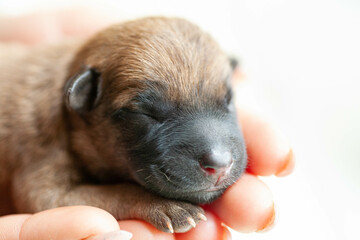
(216, 162)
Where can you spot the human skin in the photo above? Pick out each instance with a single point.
(246, 206)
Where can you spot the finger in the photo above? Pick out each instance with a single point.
(210, 230)
(82, 23)
(52, 27)
(11, 225)
(269, 151)
(29, 29)
(77, 222)
(144, 231)
(246, 206)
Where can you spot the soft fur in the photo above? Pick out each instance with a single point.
(125, 121)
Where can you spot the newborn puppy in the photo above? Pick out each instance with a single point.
(139, 121)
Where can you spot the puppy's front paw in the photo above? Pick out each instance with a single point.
(175, 216)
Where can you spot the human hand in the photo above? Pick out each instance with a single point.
(76, 222)
(246, 206)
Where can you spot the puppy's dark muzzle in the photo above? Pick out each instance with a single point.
(194, 158)
(220, 146)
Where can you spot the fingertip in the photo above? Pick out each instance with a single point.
(288, 166)
(75, 222)
(269, 150)
(269, 222)
(246, 206)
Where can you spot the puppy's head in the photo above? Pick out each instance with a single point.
(150, 100)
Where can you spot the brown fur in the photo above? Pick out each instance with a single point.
(40, 138)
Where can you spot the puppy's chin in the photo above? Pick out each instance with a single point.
(202, 197)
(190, 194)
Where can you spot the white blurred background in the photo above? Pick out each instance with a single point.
(302, 61)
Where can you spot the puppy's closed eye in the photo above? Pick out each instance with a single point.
(138, 113)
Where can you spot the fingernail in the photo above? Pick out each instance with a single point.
(288, 165)
(269, 223)
(117, 235)
(226, 234)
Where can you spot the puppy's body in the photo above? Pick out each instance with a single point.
(142, 103)
(31, 103)
(31, 121)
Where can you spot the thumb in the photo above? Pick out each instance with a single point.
(70, 223)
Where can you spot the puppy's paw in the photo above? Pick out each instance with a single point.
(175, 216)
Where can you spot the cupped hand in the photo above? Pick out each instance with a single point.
(246, 206)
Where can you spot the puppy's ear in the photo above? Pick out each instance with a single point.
(234, 63)
(82, 91)
(237, 73)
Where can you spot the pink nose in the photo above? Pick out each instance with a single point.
(216, 162)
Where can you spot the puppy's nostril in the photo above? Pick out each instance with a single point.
(215, 162)
(209, 170)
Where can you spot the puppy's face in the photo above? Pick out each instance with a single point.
(151, 101)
